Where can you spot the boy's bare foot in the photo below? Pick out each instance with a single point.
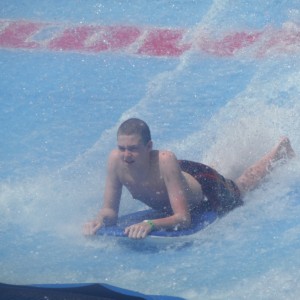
(284, 149)
(252, 176)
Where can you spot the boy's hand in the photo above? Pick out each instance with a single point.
(91, 227)
(138, 231)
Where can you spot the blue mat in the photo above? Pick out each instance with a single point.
(72, 292)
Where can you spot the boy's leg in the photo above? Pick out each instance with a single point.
(252, 176)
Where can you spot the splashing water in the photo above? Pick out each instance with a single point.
(60, 111)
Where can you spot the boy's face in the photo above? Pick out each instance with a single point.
(132, 149)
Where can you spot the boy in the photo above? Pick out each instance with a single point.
(179, 187)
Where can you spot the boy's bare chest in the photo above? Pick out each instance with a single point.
(149, 189)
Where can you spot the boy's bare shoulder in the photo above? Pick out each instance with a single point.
(167, 159)
(113, 154)
(165, 155)
(113, 158)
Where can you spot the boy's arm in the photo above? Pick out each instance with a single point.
(108, 214)
(177, 192)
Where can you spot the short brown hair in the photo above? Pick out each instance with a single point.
(135, 126)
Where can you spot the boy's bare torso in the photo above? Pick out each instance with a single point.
(148, 185)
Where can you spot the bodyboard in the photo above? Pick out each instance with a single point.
(198, 223)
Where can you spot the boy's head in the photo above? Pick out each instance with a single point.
(135, 126)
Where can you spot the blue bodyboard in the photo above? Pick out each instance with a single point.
(199, 222)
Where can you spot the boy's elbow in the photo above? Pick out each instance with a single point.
(187, 223)
(184, 221)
